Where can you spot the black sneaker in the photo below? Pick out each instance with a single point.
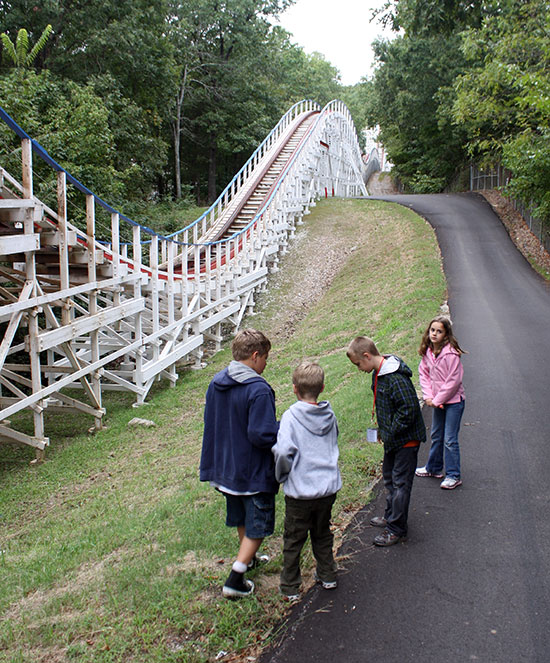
(237, 585)
(258, 560)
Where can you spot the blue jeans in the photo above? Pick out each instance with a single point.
(445, 427)
(255, 512)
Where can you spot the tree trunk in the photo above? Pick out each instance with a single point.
(177, 134)
(212, 164)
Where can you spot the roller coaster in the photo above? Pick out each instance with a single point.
(95, 313)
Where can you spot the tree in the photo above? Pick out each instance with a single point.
(121, 48)
(431, 17)
(410, 88)
(503, 101)
(222, 45)
(414, 87)
(208, 77)
(358, 100)
(70, 121)
(19, 52)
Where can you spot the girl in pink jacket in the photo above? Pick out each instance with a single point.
(441, 373)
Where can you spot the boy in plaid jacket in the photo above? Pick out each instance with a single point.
(401, 429)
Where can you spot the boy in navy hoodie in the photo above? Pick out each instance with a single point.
(240, 427)
(306, 462)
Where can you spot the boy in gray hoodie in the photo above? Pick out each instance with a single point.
(306, 463)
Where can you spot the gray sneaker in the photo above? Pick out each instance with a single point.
(450, 483)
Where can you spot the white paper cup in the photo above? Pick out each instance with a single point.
(372, 434)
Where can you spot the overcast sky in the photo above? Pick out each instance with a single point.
(339, 29)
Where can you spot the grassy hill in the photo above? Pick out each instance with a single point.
(112, 550)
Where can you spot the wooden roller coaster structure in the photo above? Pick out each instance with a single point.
(98, 314)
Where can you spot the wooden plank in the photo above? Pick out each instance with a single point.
(74, 404)
(13, 324)
(253, 276)
(84, 325)
(16, 436)
(7, 310)
(219, 317)
(10, 244)
(26, 161)
(63, 240)
(16, 203)
(156, 366)
(55, 238)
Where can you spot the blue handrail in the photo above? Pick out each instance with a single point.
(43, 154)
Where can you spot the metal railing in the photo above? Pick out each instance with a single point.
(496, 178)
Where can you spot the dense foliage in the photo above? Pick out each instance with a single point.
(466, 80)
(146, 100)
(167, 99)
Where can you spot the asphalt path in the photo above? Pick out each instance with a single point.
(472, 582)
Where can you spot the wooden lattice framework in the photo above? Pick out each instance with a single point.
(79, 312)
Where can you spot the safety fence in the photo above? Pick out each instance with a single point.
(496, 178)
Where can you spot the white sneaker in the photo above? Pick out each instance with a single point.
(449, 483)
(423, 472)
(291, 598)
(326, 584)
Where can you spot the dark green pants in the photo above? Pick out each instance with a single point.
(303, 517)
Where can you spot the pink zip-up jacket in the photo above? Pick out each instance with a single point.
(441, 376)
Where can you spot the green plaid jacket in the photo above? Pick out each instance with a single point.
(397, 409)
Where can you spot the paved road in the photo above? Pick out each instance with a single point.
(472, 583)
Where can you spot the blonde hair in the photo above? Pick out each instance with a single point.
(249, 341)
(360, 345)
(309, 379)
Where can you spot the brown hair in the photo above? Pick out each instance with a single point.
(425, 343)
(309, 379)
(360, 345)
(249, 341)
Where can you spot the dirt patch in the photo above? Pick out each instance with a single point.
(381, 184)
(306, 277)
(86, 575)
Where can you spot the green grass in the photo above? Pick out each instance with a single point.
(112, 550)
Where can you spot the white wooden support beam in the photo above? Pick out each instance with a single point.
(153, 368)
(26, 162)
(16, 203)
(16, 436)
(10, 244)
(84, 325)
(63, 238)
(9, 334)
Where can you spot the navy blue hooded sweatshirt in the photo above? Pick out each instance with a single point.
(240, 427)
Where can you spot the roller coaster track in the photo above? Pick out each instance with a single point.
(80, 312)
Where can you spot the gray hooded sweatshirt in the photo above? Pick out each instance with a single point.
(306, 452)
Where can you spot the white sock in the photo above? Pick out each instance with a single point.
(239, 567)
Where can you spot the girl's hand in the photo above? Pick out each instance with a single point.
(429, 402)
